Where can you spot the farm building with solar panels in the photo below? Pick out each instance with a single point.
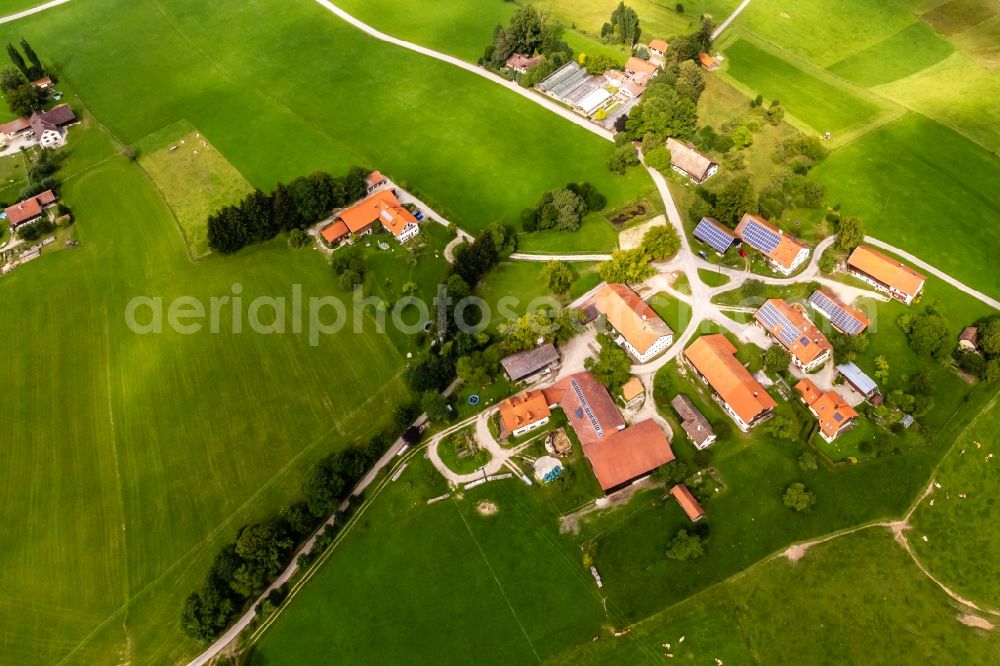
(834, 414)
(844, 318)
(619, 455)
(789, 326)
(784, 253)
(714, 234)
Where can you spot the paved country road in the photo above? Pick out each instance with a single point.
(469, 67)
(729, 19)
(521, 256)
(978, 295)
(33, 10)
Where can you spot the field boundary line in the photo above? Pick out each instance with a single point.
(308, 572)
(347, 148)
(887, 110)
(468, 67)
(224, 523)
(493, 573)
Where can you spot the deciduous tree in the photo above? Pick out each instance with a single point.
(798, 498)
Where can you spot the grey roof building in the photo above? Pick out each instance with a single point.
(533, 361)
(697, 427)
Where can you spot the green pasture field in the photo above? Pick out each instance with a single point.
(519, 285)
(962, 531)
(463, 29)
(887, 612)
(657, 19)
(153, 449)
(8, 7)
(905, 178)
(595, 234)
(13, 177)
(824, 31)
(958, 92)
(815, 102)
(907, 52)
(248, 85)
(443, 583)
(956, 16)
(195, 180)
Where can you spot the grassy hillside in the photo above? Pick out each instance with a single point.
(961, 523)
(442, 584)
(860, 596)
(815, 102)
(923, 187)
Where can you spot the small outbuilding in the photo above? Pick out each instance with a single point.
(969, 339)
(525, 365)
(694, 423)
(633, 392)
(688, 502)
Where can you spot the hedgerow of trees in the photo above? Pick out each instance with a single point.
(22, 97)
(528, 32)
(296, 205)
(243, 569)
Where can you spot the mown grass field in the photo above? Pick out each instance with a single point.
(463, 29)
(153, 449)
(195, 180)
(907, 52)
(442, 584)
(815, 102)
(887, 612)
(961, 524)
(824, 32)
(906, 179)
(955, 16)
(248, 85)
(958, 92)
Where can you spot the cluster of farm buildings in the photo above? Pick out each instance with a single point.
(604, 96)
(380, 209)
(620, 454)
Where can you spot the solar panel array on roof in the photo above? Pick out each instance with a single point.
(586, 408)
(760, 237)
(772, 317)
(839, 317)
(713, 236)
